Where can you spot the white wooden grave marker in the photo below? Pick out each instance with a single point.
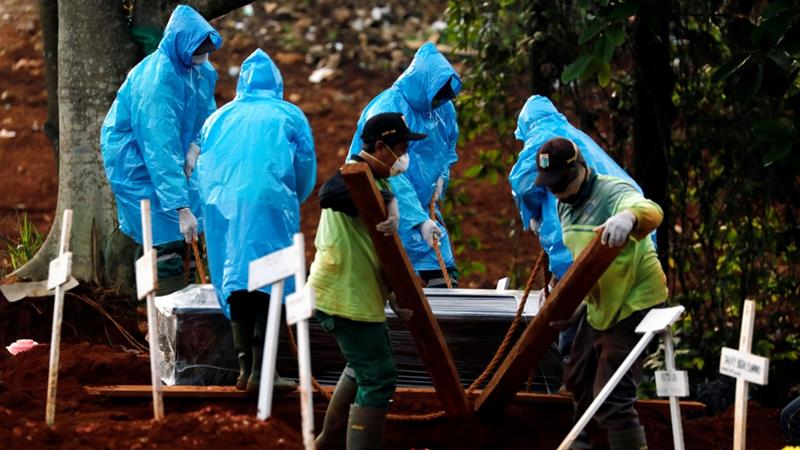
(273, 269)
(656, 321)
(57, 278)
(146, 282)
(745, 367)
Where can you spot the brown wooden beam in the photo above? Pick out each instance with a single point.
(402, 279)
(537, 337)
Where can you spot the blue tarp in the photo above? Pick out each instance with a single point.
(431, 157)
(158, 112)
(256, 166)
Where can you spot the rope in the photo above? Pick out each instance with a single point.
(436, 249)
(199, 261)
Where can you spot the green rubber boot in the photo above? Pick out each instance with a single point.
(365, 428)
(243, 344)
(279, 384)
(631, 439)
(334, 428)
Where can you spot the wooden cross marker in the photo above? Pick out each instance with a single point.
(401, 277)
(60, 269)
(146, 281)
(745, 367)
(274, 269)
(537, 337)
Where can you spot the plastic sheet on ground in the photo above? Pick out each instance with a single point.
(196, 343)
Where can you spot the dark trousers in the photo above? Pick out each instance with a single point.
(435, 278)
(594, 357)
(790, 422)
(367, 348)
(250, 309)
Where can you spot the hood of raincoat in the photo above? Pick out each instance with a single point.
(259, 76)
(428, 72)
(185, 31)
(536, 110)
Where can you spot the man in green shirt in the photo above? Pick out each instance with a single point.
(634, 283)
(351, 291)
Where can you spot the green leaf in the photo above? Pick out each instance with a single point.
(616, 34)
(771, 130)
(729, 68)
(605, 50)
(595, 27)
(624, 10)
(576, 69)
(771, 31)
(778, 152)
(776, 7)
(473, 171)
(604, 74)
(780, 58)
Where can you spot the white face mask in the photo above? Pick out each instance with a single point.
(400, 165)
(198, 60)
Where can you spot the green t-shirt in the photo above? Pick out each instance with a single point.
(346, 273)
(634, 280)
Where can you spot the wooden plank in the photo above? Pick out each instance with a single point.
(230, 392)
(537, 337)
(401, 277)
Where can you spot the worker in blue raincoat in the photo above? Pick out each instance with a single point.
(423, 94)
(148, 138)
(538, 122)
(257, 165)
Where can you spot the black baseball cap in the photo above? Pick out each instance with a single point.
(557, 161)
(388, 127)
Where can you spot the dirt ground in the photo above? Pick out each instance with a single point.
(29, 185)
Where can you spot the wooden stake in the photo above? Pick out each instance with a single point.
(152, 319)
(745, 345)
(55, 337)
(401, 277)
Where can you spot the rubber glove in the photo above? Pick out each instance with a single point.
(191, 159)
(188, 224)
(404, 314)
(430, 231)
(437, 191)
(389, 225)
(617, 229)
(533, 225)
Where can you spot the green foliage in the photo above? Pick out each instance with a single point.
(27, 245)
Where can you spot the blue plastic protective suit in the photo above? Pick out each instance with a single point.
(158, 112)
(256, 166)
(539, 122)
(430, 158)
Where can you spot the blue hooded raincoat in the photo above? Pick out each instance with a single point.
(539, 122)
(158, 112)
(430, 158)
(256, 165)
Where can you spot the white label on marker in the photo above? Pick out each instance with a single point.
(272, 268)
(737, 364)
(300, 305)
(59, 272)
(672, 383)
(146, 274)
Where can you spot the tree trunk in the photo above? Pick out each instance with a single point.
(95, 53)
(654, 110)
(48, 16)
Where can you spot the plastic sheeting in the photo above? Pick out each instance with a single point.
(197, 347)
(431, 157)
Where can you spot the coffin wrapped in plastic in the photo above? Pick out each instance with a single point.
(196, 344)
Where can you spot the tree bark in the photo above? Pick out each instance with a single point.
(90, 70)
(654, 111)
(48, 16)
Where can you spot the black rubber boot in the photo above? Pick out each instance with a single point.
(334, 428)
(365, 428)
(631, 439)
(279, 383)
(242, 332)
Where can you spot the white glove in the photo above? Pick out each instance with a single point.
(533, 224)
(188, 224)
(437, 191)
(191, 159)
(617, 229)
(389, 225)
(430, 231)
(404, 314)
